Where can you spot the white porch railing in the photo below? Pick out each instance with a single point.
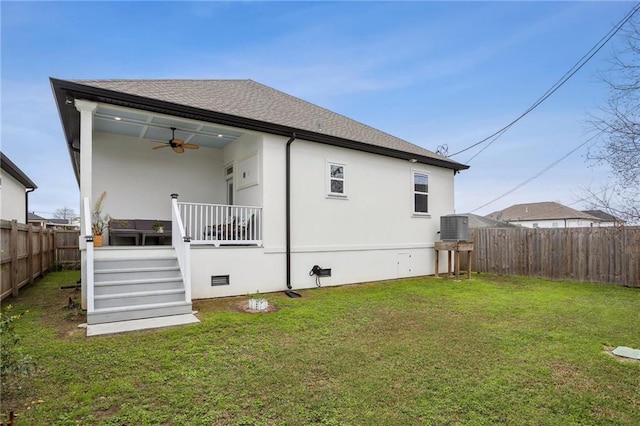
(220, 224)
(88, 237)
(182, 245)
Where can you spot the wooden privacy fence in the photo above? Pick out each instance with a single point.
(606, 255)
(28, 252)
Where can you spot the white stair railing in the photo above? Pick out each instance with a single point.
(222, 224)
(182, 244)
(88, 237)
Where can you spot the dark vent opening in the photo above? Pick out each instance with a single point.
(219, 280)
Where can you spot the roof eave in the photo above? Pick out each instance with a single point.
(66, 91)
(15, 172)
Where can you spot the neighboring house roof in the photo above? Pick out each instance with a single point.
(239, 103)
(14, 171)
(476, 221)
(539, 211)
(603, 215)
(59, 221)
(33, 216)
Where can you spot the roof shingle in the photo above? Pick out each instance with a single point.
(252, 100)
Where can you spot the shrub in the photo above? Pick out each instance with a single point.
(12, 361)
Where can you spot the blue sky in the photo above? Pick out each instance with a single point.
(432, 73)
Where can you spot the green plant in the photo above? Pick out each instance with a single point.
(12, 361)
(158, 225)
(99, 222)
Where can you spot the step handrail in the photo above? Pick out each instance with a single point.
(182, 245)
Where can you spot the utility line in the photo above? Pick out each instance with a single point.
(574, 69)
(541, 172)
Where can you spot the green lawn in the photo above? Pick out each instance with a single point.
(492, 350)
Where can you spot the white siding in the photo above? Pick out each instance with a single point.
(13, 199)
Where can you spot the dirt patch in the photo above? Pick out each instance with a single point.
(243, 306)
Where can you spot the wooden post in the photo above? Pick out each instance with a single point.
(30, 250)
(457, 260)
(437, 260)
(14, 258)
(42, 262)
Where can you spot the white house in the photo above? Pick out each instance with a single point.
(15, 186)
(546, 215)
(267, 187)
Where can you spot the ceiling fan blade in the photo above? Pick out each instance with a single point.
(178, 148)
(160, 146)
(176, 141)
(189, 146)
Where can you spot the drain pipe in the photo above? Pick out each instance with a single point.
(288, 207)
(26, 204)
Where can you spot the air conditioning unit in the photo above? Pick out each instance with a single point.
(454, 228)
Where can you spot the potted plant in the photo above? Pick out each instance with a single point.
(159, 227)
(99, 222)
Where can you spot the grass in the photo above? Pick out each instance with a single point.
(492, 350)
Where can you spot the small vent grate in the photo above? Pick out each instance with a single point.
(219, 280)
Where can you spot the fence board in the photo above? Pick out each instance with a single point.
(606, 255)
(29, 252)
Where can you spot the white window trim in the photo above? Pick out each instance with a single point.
(336, 195)
(414, 213)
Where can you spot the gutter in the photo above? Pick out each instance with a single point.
(288, 206)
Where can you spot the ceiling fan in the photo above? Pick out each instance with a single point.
(178, 145)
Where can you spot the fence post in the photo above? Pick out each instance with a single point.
(42, 251)
(30, 250)
(14, 258)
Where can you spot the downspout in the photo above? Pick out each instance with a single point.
(26, 204)
(288, 207)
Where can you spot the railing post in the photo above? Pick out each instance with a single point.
(88, 237)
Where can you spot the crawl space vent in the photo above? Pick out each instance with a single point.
(219, 280)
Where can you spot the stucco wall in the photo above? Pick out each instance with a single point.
(245, 155)
(13, 200)
(140, 180)
(371, 235)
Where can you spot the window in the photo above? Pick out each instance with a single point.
(336, 182)
(420, 193)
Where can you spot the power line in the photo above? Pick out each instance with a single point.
(540, 173)
(572, 71)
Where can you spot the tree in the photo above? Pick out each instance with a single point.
(618, 128)
(64, 213)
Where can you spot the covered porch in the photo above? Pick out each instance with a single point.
(141, 275)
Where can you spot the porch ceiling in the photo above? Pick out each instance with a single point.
(156, 127)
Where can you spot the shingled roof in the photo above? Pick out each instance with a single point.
(539, 211)
(248, 104)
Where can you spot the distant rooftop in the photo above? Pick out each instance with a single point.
(539, 211)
